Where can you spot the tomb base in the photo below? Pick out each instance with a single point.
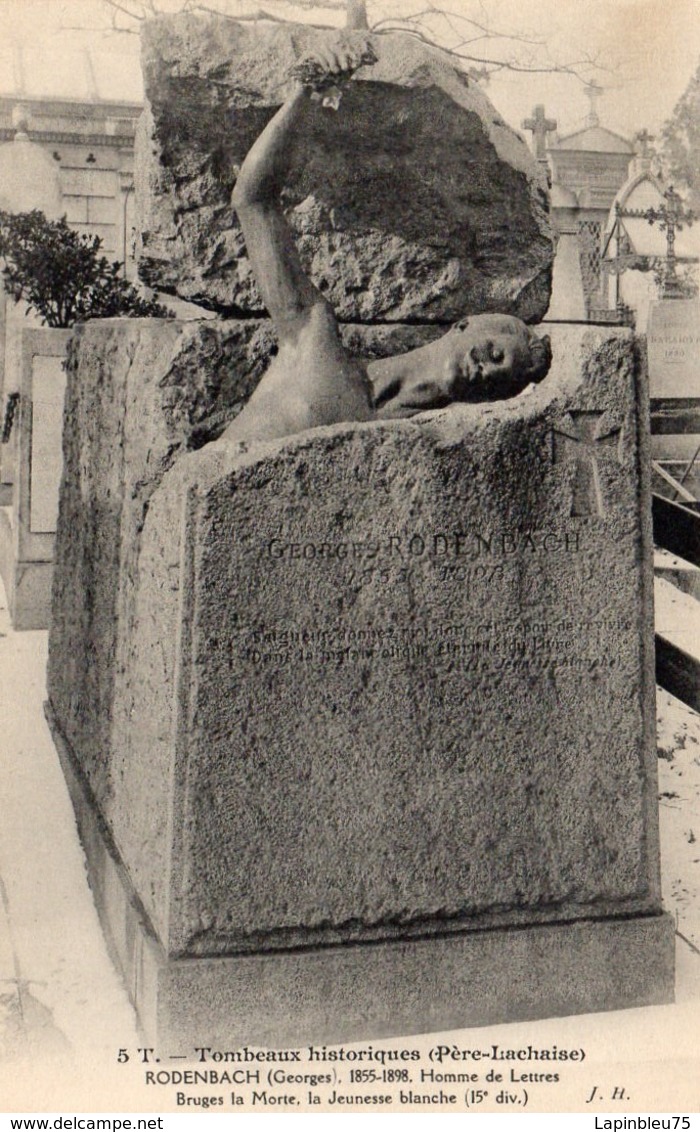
(360, 991)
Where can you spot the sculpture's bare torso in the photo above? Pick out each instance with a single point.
(311, 381)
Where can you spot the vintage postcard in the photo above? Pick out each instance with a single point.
(349, 543)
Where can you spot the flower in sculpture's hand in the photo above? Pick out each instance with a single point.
(324, 71)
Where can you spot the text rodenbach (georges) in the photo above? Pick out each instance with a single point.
(470, 545)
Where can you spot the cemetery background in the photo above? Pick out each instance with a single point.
(682, 743)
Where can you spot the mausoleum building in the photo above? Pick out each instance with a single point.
(66, 149)
(588, 167)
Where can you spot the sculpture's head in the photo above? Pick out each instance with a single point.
(492, 356)
(486, 357)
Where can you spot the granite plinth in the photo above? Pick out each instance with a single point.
(380, 688)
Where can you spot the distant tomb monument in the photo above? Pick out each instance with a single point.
(673, 338)
(651, 241)
(674, 322)
(32, 386)
(359, 722)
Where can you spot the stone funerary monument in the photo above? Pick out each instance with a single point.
(359, 723)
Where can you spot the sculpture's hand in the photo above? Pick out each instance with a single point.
(329, 67)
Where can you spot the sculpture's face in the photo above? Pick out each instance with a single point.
(489, 357)
(486, 357)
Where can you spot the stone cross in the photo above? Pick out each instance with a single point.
(593, 92)
(579, 437)
(539, 126)
(645, 139)
(356, 15)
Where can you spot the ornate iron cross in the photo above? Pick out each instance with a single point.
(585, 438)
(671, 218)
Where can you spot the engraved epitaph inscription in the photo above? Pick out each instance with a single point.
(473, 569)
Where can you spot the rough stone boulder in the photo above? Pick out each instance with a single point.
(413, 202)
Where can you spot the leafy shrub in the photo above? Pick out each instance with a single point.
(680, 143)
(61, 275)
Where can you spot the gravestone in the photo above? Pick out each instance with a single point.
(384, 685)
(414, 202)
(673, 342)
(673, 338)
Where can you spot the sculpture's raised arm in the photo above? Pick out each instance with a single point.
(287, 292)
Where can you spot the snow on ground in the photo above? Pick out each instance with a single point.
(678, 744)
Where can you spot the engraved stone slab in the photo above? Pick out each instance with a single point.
(583, 437)
(394, 679)
(673, 338)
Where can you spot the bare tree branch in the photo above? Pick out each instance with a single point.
(142, 10)
(127, 11)
(422, 24)
(401, 23)
(487, 30)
